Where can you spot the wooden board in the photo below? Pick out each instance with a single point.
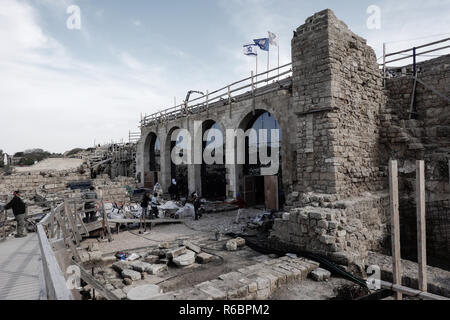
(271, 192)
(395, 226)
(421, 225)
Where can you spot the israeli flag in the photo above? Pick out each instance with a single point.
(250, 50)
(263, 43)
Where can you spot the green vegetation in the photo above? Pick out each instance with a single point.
(29, 157)
(73, 152)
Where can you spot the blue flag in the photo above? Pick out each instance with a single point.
(263, 43)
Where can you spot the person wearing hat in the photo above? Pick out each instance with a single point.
(19, 210)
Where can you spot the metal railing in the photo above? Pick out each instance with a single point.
(225, 93)
(412, 53)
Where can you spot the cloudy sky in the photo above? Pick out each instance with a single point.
(62, 88)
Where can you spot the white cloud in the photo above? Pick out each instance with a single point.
(50, 99)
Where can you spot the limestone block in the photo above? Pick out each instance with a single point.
(146, 292)
(152, 259)
(231, 245)
(204, 258)
(121, 266)
(176, 252)
(156, 269)
(189, 245)
(186, 259)
(130, 274)
(320, 274)
(140, 266)
(95, 256)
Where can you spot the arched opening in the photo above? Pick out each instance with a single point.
(213, 173)
(178, 172)
(262, 187)
(152, 160)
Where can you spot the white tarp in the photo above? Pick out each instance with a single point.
(169, 205)
(187, 211)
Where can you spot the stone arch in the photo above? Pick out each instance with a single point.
(180, 173)
(152, 164)
(250, 182)
(213, 176)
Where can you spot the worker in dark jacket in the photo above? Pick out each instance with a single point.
(19, 209)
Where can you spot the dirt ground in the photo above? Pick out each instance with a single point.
(202, 233)
(56, 164)
(310, 290)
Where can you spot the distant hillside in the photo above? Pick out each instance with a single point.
(29, 157)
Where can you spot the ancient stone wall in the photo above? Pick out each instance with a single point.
(424, 137)
(337, 94)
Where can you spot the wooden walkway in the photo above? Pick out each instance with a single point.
(20, 267)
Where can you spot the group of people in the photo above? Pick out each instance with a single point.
(154, 203)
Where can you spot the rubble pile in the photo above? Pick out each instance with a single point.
(123, 273)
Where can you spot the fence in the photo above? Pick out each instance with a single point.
(226, 93)
(411, 53)
(64, 223)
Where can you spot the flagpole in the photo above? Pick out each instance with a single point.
(256, 70)
(278, 59)
(268, 64)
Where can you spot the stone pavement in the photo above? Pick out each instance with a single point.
(258, 281)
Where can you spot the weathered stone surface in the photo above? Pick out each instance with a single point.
(140, 266)
(95, 256)
(164, 245)
(121, 266)
(130, 274)
(176, 252)
(156, 269)
(151, 259)
(146, 292)
(186, 259)
(321, 275)
(240, 242)
(189, 245)
(119, 294)
(204, 258)
(109, 259)
(127, 282)
(231, 245)
(93, 247)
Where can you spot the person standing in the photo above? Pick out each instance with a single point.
(197, 204)
(241, 205)
(90, 209)
(154, 206)
(144, 204)
(19, 210)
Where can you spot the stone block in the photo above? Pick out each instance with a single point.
(151, 259)
(121, 266)
(189, 245)
(204, 258)
(140, 266)
(93, 247)
(231, 245)
(156, 269)
(321, 274)
(130, 274)
(175, 252)
(95, 256)
(146, 292)
(185, 260)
